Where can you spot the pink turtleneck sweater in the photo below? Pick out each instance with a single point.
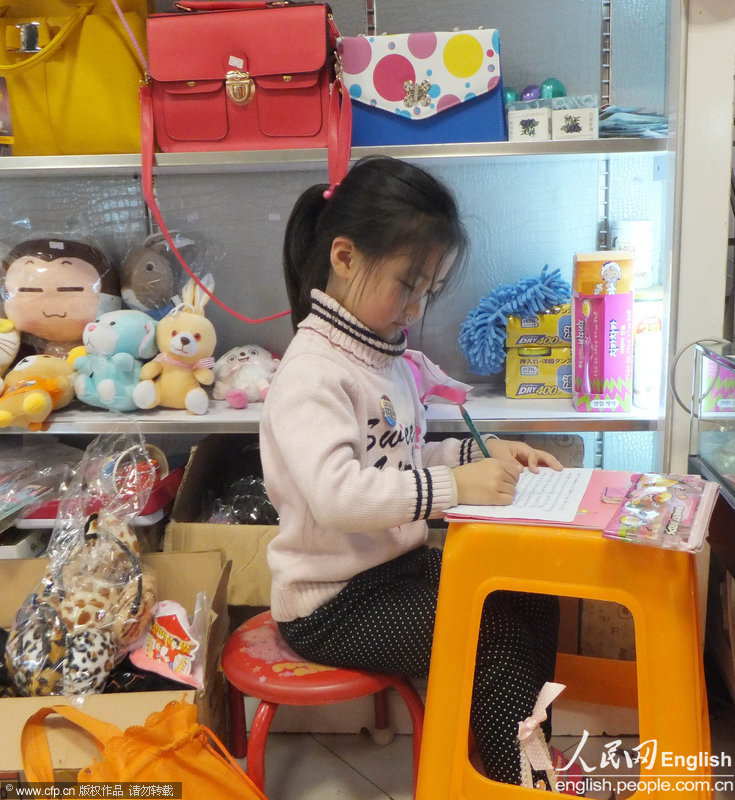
(344, 461)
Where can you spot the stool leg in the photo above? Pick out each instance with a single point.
(256, 745)
(415, 708)
(380, 701)
(238, 725)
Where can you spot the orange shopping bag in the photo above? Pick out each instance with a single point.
(171, 747)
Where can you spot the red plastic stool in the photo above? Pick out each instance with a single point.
(257, 662)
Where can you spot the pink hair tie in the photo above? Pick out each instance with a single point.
(327, 193)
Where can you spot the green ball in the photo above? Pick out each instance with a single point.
(552, 87)
(510, 96)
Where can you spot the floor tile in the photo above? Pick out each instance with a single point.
(297, 767)
(388, 766)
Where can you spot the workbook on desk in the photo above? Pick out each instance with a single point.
(668, 511)
(579, 498)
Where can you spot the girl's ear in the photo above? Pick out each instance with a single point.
(342, 257)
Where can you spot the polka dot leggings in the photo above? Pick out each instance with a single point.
(383, 620)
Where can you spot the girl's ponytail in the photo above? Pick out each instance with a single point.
(302, 270)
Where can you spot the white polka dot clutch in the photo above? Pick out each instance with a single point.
(431, 87)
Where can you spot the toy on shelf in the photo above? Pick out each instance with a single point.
(186, 340)
(95, 599)
(53, 288)
(603, 331)
(483, 332)
(116, 345)
(243, 375)
(35, 387)
(9, 344)
(147, 281)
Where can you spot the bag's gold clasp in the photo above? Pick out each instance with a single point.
(240, 87)
(28, 34)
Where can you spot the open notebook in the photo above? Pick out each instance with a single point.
(660, 510)
(579, 498)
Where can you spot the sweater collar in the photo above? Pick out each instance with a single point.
(346, 332)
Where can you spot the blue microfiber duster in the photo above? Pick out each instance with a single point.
(482, 335)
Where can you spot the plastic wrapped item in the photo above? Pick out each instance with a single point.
(244, 502)
(667, 511)
(96, 599)
(53, 287)
(32, 474)
(148, 274)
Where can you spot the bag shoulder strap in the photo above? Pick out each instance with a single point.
(133, 39)
(34, 747)
(147, 138)
(64, 33)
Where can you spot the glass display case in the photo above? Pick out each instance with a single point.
(712, 433)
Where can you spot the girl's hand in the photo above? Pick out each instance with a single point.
(522, 453)
(489, 482)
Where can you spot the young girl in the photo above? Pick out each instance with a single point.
(345, 465)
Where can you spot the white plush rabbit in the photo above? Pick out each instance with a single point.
(243, 375)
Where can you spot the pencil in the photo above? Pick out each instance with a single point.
(475, 433)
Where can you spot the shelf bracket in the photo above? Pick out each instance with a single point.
(603, 183)
(371, 17)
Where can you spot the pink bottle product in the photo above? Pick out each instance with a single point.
(603, 331)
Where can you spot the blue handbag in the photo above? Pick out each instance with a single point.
(425, 88)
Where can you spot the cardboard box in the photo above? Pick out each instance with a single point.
(244, 545)
(179, 577)
(538, 372)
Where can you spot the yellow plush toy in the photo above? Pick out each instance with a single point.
(186, 339)
(33, 389)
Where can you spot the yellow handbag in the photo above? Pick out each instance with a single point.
(172, 747)
(72, 75)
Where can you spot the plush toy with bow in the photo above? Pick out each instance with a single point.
(116, 344)
(186, 339)
(243, 375)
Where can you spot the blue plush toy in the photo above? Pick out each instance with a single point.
(116, 344)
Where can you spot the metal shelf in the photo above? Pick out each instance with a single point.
(495, 413)
(276, 160)
(492, 413)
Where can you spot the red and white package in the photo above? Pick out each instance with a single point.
(174, 647)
